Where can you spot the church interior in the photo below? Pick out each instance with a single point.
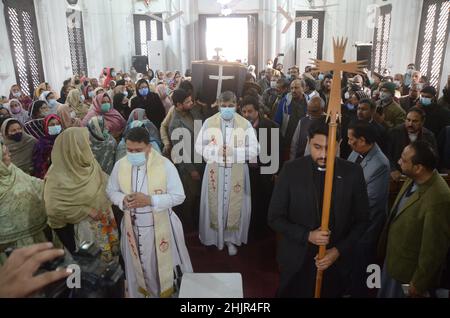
(96, 92)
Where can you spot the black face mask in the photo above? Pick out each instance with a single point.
(356, 88)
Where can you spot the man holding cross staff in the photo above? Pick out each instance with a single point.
(319, 206)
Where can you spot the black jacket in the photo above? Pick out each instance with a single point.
(399, 139)
(153, 106)
(294, 210)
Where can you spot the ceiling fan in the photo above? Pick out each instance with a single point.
(227, 6)
(167, 20)
(312, 4)
(290, 19)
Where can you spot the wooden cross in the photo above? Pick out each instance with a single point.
(220, 78)
(333, 116)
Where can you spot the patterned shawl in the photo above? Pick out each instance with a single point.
(103, 144)
(19, 218)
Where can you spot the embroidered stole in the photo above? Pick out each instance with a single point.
(157, 185)
(215, 136)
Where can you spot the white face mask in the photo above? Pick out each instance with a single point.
(73, 115)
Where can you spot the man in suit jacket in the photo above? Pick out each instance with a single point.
(416, 237)
(182, 134)
(261, 183)
(295, 213)
(361, 138)
(291, 109)
(413, 129)
(410, 100)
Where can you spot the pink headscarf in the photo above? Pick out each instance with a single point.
(114, 121)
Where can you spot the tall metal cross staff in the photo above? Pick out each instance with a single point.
(333, 116)
(220, 78)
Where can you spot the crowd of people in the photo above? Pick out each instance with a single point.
(117, 160)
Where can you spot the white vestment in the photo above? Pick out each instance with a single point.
(144, 230)
(208, 235)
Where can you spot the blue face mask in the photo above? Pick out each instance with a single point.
(52, 103)
(106, 107)
(321, 77)
(91, 94)
(54, 130)
(425, 101)
(227, 113)
(136, 159)
(113, 74)
(350, 106)
(125, 93)
(143, 91)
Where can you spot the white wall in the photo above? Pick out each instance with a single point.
(7, 74)
(52, 29)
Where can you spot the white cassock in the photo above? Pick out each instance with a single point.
(209, 236)
(144, 230)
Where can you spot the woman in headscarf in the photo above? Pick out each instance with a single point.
(22, 212)
(120, 103)
(18, 112)
(151, 75)
(51, 100)
(19, 143)
(103, 145)
(35, 126)
(43, 149)
(42, 87)
(114, 121)
(5, 114)
(64, 91)
(75, 102)
(159, 77)
(89, 95)
(163, 91)
(75, 195)
(110, 74)
(138, 118)
(68, 117)
(149, 101)
(16, 93)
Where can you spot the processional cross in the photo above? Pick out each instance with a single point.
(333, 117)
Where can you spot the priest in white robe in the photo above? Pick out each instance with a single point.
(146, 186)
(227, 141)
